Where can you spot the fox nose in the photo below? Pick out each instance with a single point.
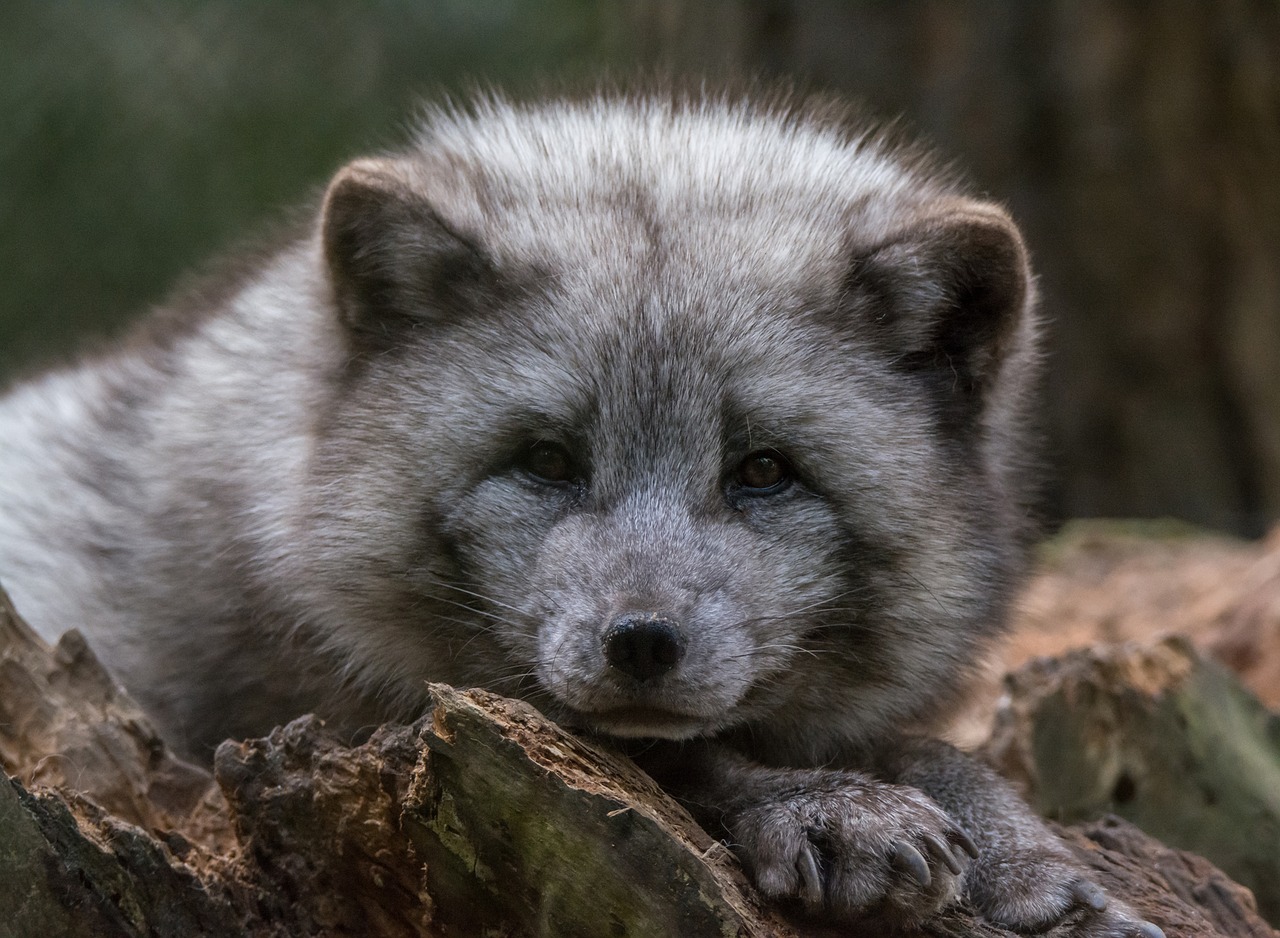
(643, 645)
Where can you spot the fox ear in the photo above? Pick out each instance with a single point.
(393, 261)
(947, 298)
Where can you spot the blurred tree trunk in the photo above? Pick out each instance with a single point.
(1139, 145)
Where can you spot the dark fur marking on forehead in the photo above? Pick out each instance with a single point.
(640, 206)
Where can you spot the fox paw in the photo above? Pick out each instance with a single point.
(847, 849)
(1034, 891)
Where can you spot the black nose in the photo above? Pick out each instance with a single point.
(644, 645)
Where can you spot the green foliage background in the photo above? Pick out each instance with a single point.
(137, 138)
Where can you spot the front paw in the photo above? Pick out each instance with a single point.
(847, 848)
(1032, 890)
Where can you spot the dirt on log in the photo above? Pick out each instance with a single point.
(483, 817)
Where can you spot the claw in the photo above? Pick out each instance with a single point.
(807, 867)
(965, 842)
(1150, 930)
(907, 859)
(1087, 893)
(942, 850)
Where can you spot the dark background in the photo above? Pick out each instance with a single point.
(1137, 143)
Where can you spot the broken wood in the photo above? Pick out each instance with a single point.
(484, 817)
(481, 817)
(1155, 734)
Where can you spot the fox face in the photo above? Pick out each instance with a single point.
(676, 462)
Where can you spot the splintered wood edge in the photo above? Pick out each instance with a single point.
(577, 761)
(587, 768)
(82, 734)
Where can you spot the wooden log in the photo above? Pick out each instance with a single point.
(483, 817)
(495, 820)
(1160, 736)
(1185, 893)
(73, 870)
(66, 724)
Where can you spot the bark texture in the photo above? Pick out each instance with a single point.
(482, 818)
(1159, 736)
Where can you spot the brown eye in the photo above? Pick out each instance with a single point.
(763, 472)
(549, 462)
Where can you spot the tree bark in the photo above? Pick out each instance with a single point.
(483, 817)
(1159, 736)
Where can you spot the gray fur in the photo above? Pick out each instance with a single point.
(314, 487)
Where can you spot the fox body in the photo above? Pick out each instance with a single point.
(687, 419)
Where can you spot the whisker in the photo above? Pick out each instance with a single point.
(480, 596)
(920, 584)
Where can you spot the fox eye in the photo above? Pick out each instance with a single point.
(764, 472)
(549, 462)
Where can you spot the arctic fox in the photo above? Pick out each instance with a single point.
(693, 419)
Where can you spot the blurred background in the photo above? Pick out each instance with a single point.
(1137, 143)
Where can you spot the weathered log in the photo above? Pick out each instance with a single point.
(1103, 581)
(73, 870)
(65, 724)
(509, 824)
(97, 848)
(1187, 894)
(1159, 736)
(482, 817)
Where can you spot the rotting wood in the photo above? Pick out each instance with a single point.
(1158, 735)
(481, 815)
